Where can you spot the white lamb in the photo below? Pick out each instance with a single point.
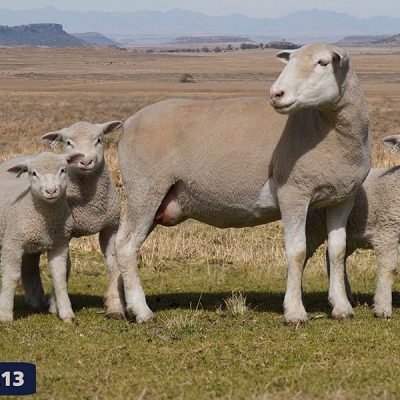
(94, 204)
(35, 217)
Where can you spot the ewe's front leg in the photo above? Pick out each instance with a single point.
(336, 220)
(58, 258)
(294, 222)
(10, 275)
(114, 297)
(386, 257)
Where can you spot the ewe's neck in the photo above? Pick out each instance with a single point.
(349, 116)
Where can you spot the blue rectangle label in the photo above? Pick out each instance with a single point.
(17, 378)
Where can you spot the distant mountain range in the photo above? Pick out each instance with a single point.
(33, 35)
(368, 40)
(304, 24)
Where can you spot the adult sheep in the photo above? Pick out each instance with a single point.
(237, 162)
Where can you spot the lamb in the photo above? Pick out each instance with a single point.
(238, 162)
(374, 223)
(94, 204)
(35, 217)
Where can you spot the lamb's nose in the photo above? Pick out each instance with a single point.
(86, 163)
(277, 95)
(51, 191)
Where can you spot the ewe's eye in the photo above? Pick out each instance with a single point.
(68, 143)
(62, 171)
(323, 63)
(98, 141)
(34, 173)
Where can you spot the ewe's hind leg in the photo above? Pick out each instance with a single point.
(336, 220)
(387, 264)
(32, 283)
(114, 297)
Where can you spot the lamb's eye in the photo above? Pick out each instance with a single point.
(62, 171)
(68, 143)
(34, 173)
(323, 63)
(98, 141)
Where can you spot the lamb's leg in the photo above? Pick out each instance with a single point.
(294, 222)
(60, 267)
(386, 258)
(336, 220)
(114, 297)
(32, 282)
(346, 277)
(59, 264)
(10, 275)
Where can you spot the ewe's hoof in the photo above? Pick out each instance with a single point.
(116, 315)
(296, 317)
(53, 308)
(67, 317)
(342, 314)
(381, 312)
(148, 317)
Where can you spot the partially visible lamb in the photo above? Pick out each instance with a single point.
(94, 203)
(374, 223)
(35, 217)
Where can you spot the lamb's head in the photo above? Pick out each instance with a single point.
(313, 77)
(47, 174)
(85, 138)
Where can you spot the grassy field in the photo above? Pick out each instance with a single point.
(217, 294)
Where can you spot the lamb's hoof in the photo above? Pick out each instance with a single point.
(383, 312)
(116, 315)
(343, 313)
(6, 317)
(67, 317)
(53, 307)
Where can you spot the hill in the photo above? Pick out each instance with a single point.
(209, 39)
(96, 39)
(33, 35)
(305, 24)
(371, 40)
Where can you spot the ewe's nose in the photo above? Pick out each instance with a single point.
(87, 163)
(277, 95)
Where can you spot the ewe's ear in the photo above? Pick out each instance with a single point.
(110, 126)
(284, 55)
(53, 138)
(18, 169)
(391, 141)
(74, 158)
(340, 57)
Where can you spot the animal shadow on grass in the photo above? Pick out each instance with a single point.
(211, 301)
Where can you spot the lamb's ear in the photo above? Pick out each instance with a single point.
(18, 169)
(110, 126)
(391, 141)
(340, 57)
(53, 139)
(74, 158)
(284, 55)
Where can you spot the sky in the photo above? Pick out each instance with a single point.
(255, 8)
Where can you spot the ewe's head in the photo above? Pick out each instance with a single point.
(47, 174)
(85, 138)
(313, 77)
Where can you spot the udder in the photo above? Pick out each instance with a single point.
(172, 209)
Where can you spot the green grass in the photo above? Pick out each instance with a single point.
(198, 348)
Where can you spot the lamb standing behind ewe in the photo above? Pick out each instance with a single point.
(94, 204)
(237, 162)
(35, 217)
(374, 223)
